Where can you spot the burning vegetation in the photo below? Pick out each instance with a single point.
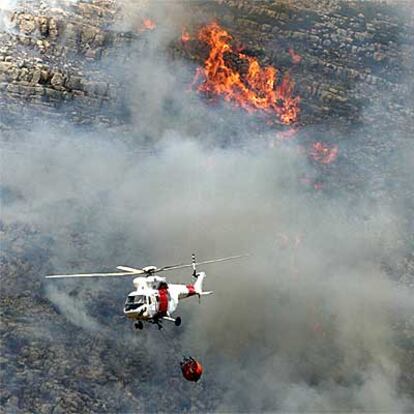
(249, 85)
(296, 57)
(323, 153)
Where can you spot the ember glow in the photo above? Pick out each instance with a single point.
(147, 25)
(255, 88)
(283, 136)
(296, 57)
(323, 153)
(287, 135)
(185, 36)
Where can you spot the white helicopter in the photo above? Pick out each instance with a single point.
(153, 299)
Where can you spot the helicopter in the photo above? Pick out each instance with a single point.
(154, 299)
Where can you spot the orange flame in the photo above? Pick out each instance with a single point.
(256, 89)
(147, 24)
(323, 153)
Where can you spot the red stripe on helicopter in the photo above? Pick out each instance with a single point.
(163, 307)
(191, 290)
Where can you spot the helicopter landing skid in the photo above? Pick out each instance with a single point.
(139, 325)
(177, 320)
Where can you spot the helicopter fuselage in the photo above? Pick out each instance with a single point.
(154, 298)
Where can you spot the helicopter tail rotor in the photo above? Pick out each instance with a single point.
(194, 265)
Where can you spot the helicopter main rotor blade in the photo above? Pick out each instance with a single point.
(177, 266)
(96, 275)
(130, 269)
(182, 266)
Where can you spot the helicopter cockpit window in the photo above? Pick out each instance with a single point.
(139, 299)
(134, 301)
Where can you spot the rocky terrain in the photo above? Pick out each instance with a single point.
(345, 52)
(47, 57)
(352, 63)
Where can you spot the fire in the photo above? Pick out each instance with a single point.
(147, 24)
(255, 88)
(316, 185)
(323, 153)
(296, 57)
(185, 36)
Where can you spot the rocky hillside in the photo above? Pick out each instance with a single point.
(47, 57)
(338, 52)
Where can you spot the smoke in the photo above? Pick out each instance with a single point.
(7, 4)
(300, 327)
(5, 7)
(306, 323)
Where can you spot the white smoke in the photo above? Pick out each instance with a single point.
(325, 317)
(8, 4)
